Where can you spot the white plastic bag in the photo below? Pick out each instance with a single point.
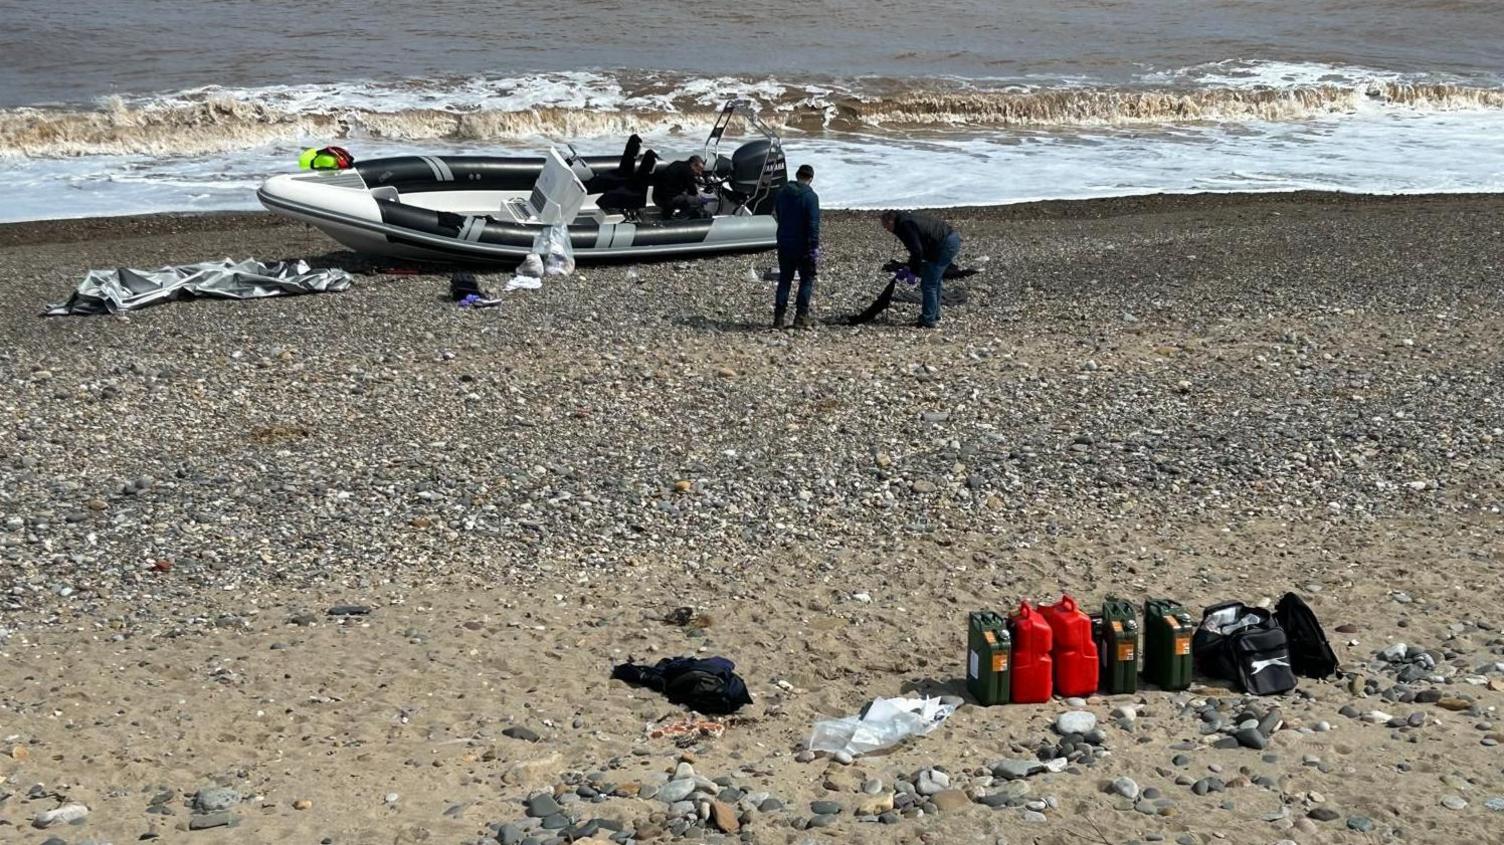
(552, 245)
(531, 266)
(529, 274)
(887, 722)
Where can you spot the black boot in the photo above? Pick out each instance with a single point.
(801, 320)
(778, 314)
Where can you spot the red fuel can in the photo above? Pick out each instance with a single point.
(1032, 638)
(1074, 652)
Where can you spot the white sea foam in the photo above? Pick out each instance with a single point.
(1238, 73)
(1410, 152)
(578, 105)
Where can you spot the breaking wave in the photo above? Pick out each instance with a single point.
(1087, 107)
(583, 105)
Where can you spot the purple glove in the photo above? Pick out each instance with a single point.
(906, 276)
(814, 255)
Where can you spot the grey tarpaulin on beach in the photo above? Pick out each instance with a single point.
(113, 291)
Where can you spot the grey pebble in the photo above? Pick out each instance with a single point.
(213, 799)
(1250, 738)
(1323, 814)
(349, 610)
(206, 821)
(542, 805)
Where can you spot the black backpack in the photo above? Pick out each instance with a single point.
(1245, 645)
(1310, 654)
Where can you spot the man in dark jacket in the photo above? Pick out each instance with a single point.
(798, 211)
(932, 246)
(676, 188)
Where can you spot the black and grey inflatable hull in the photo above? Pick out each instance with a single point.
(462, 208)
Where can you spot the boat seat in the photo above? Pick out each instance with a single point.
(556, 197)
(386, 192)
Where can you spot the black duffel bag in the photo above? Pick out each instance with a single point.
(1244, 645)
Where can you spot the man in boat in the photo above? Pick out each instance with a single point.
(797, 209)
(932, 246)
(676, 188)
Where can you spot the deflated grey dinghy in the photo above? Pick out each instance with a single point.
(474, 208)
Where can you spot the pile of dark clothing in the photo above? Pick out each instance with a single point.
(707, 686)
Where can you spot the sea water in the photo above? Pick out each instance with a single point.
(155, 105)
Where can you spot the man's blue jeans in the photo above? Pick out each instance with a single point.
(788, 264)
(930, 274)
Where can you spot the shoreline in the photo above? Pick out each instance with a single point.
(70, 229)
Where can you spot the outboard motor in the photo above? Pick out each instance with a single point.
(758, 172)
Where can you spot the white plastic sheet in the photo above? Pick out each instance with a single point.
(887, 722)
(116, 291)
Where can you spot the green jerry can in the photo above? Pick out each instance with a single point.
(1167, 644)
(1116, 632)
(989, 653)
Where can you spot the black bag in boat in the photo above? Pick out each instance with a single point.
(1244, 645)
(1310, 654)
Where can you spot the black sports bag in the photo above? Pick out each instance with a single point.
(1245, 645)
(1310, 654)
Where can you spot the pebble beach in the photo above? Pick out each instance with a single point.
(1204, 397)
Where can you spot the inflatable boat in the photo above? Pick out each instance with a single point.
(484, 209)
